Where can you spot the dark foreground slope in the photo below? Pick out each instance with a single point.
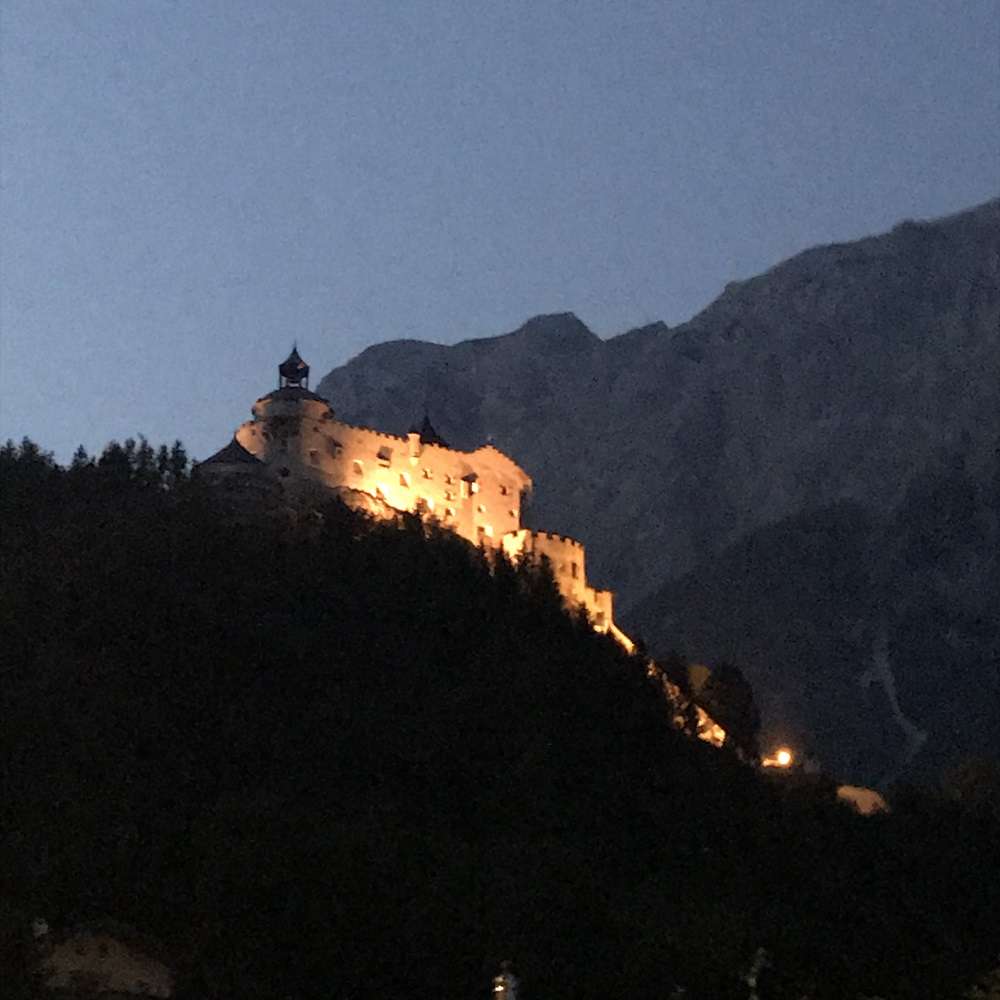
(344, 761)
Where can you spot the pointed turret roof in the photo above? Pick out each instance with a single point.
(233, 454)
(430, 436)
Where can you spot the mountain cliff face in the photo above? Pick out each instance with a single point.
(853, 385)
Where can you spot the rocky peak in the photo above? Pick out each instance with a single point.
(559, 327)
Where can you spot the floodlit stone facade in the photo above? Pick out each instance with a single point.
(294, 441)
(568, 559)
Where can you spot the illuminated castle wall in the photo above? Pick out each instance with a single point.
(295, 442)
(567, 558)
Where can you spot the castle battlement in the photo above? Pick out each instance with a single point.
(378, 435)
(554, 537)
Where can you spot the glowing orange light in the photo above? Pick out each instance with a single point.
(782, 757)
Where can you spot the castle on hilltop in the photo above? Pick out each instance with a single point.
(295, 448)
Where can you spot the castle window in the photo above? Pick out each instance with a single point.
(449, 512)
(449, 495)
(314, 456)
(513, 514)
(426, 503)
(384, 456)
(404, 480)
(450, 480)
(359, 468)
(484, 531)
(574, 571)
(481, 508)
(427, 474)
(504, 491)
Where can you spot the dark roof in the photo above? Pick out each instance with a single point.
(294, 392)
(233, 454)
(430, 436)
(293, 367)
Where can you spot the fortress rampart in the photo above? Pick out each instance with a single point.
(295, 441)
(295, 451)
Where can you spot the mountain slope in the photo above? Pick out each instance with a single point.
(838, 375)
(844, 375)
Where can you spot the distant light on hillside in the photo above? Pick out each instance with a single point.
(782, 757)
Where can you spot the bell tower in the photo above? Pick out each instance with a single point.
(293, 372)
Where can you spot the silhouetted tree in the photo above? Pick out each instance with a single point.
(727, 696)
(177, 466)
(81, 460)
(144, 464)
(114, 462)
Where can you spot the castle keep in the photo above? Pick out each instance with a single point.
(295, 448)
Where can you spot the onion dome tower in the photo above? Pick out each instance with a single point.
(293, 372)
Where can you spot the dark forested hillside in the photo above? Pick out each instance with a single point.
(318, 757)
(829, 608)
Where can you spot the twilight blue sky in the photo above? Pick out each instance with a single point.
(187, 186)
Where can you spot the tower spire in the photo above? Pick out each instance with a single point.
(293, 371)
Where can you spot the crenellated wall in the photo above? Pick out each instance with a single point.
(568, 560)
(477, 494)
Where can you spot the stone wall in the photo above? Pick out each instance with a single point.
(477, 494)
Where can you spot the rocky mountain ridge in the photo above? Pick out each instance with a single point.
(835, 376)
(848, 375)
